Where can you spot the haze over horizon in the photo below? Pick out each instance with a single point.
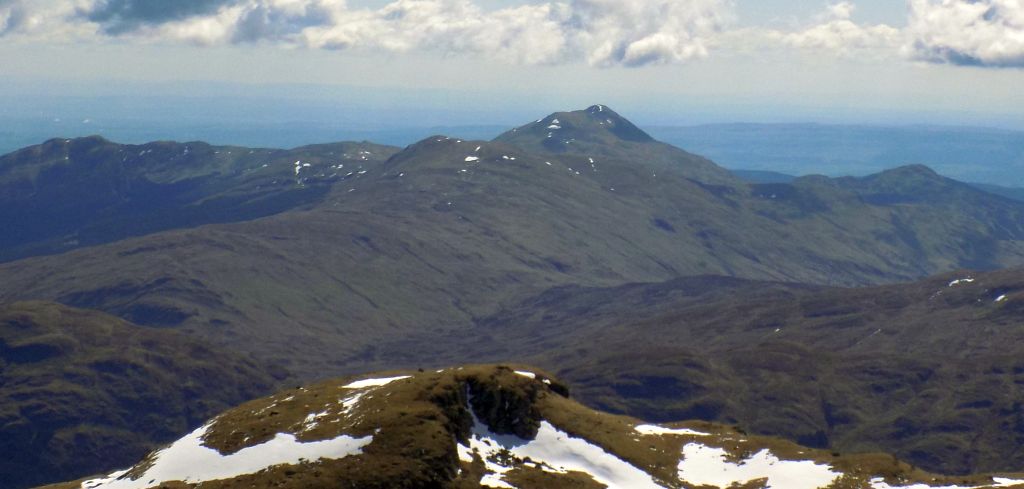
(481, 62)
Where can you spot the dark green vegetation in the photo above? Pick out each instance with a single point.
(408, 263)
(82, 391)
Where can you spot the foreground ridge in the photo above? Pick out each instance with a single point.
(488, 426)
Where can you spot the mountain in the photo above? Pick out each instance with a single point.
(599, 132)
(416, 253)
(930, 371)
(68, 193)
(762, 176)
(471, 226)
(488, 426)
(81, 390)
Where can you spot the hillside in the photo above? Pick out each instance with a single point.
(447, 231)
(68, 193)
(81, 391)
(930, 370)
(471, 427)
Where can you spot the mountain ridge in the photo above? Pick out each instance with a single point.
(488, 426)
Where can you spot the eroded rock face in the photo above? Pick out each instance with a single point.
(506, 407)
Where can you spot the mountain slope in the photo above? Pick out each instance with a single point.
(930, 370)
(472, 427)
(447, 231)
(67, 193)
(445, 234)
(81, 390)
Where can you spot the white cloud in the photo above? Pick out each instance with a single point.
(967, 32)
(836, 32)
(600, 32)
(597, 32)
(42, 19)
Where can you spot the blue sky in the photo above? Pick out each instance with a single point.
(497, 61)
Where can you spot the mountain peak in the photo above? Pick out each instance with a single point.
(595, 124)
(479, 426)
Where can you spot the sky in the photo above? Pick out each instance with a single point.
(953, 62)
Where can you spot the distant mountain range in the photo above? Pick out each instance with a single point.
(761, 176)
(488, 426)
(334, 259)
(971, 154)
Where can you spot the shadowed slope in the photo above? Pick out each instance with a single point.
(81, 390)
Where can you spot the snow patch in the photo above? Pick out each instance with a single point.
(879, 483)
(362, 384)
(472, 158)
(703, 465)
(1001, 298)
(555, 451)
(649, 429)
(961, 281)
(529, 375)
(189, 461)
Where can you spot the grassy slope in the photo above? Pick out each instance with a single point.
(81, 391)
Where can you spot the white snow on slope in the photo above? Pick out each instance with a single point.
(189, 461)
(362, 384)
(559, 451)
(703, 465)
(649, 429)
(529, 375)
(472, 158)
(961, 281)
(879, 483)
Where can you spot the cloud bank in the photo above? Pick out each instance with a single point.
(968, 32)
(598, 32)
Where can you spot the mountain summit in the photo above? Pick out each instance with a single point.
(595, 124)
(487, 426)
(600, 132)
